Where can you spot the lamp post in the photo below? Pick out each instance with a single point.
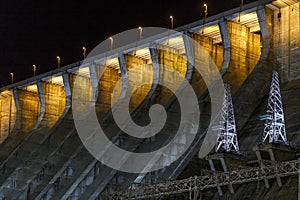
(141, 32)
(111, 42)
(172, 21)
(58, 61)
(205, 10)
(34, 69)
(12, 78)
(205, 15)
(84, 52)
(241, 5)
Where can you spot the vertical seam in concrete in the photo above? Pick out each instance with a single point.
(67, 89)
(264, 29)
(16, 99)
(19, 109)
(226, 45)
(190, 55)
(124, 75)
(155, 65)
(94, 81)
(42, 104)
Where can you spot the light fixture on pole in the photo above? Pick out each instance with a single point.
(12, 78)
(172, 21)
(241, 5)
(141, 32)
(84, 52)
(58, 61)
(205, 16)
(34, 69)
(111, 42)
(205, 10)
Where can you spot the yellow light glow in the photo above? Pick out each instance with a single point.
(214, 28)
(112, 62)
(56, 80)
(84, 71)
(31, 88)
(143, 53)
(248, 17)
(211, 31)
(281, 4)
(5, 94)
(175, 41)
(250, 20)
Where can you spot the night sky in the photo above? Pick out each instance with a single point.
(35, 32)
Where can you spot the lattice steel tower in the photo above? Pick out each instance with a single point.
(274, 131)
(227, 137)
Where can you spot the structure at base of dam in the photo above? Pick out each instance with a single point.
(43, 157)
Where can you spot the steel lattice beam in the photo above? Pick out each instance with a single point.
(274, 131)
(209, 180)
(227, 137)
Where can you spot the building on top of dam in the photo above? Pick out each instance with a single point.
(43, 157)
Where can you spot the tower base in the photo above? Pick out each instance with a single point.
(274, 152)
(225, 162)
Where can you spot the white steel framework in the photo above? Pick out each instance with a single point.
(274, 131)
(227, 137)
(268, 170)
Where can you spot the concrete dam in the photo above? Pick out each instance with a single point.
(255, 50)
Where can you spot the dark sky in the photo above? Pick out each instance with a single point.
(35, 32)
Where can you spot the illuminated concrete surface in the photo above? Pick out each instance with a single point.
(144, 73)
(29, 110)
(50, 160)
(245, 53)
(55, 98)
(286, 37)
(8, 114)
